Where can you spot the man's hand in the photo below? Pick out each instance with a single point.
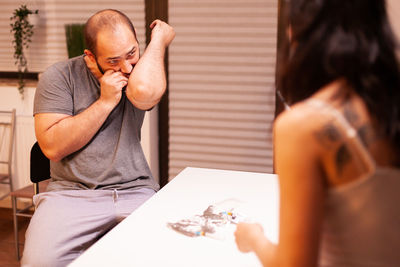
(162, 32)
(111, 84)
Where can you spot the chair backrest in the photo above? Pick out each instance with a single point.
(40, 165)
(7, 134)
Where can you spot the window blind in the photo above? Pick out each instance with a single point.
(48, 42)
(221, 81)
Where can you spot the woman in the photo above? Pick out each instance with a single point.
(337, 150)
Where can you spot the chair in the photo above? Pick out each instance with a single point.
(39, 172)
(7, 129)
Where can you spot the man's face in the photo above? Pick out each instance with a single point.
(117, 50)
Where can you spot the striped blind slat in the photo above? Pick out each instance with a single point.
(221, 80)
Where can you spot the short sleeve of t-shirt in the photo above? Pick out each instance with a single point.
(54, 91)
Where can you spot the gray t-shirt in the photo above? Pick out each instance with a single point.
(114, 158)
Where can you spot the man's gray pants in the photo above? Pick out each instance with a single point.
(66, 223)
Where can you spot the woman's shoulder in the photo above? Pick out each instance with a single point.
(301, 118)
(302, 131)
(317, 112)
(335, 128)
(314, 123)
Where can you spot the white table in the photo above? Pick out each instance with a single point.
(143, 238)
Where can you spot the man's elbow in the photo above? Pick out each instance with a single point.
(52, 154)
(143, 96)
(141, 92)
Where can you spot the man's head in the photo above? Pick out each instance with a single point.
(111, 41)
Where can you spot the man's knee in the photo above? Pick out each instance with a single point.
(35, 258)
(41, 248)
(42, 258)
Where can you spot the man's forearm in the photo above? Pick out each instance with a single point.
(60, 137)
(147, 82)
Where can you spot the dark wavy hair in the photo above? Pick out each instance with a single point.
(349, 39)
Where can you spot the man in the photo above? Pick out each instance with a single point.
(88, 115)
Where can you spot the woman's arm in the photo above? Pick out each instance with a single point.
(302, 190)
(250, 237)
(302, 187)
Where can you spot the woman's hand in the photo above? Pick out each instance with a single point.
(248, 236)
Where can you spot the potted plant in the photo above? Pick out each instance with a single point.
(23, 31)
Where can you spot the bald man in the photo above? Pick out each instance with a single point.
(88, 115)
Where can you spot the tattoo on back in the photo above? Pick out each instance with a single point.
(343, 157)
(331, 137)
(365, 132)
(351, 116)
(328, 135)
